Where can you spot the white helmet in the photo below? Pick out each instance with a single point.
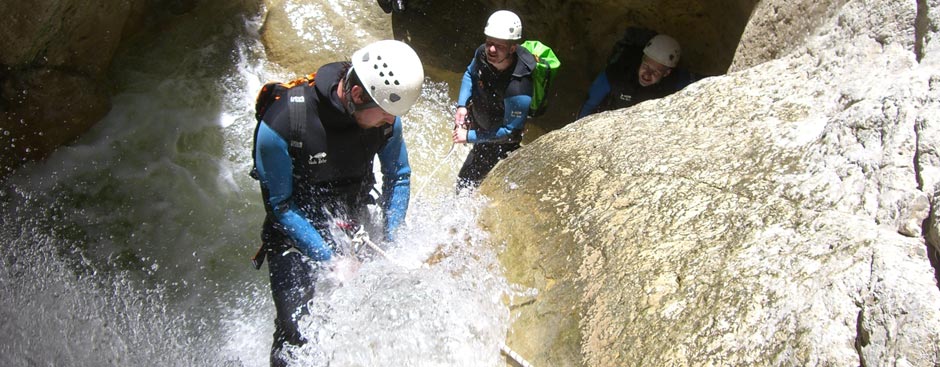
(391, 73)
(664, 50)
(504, 25)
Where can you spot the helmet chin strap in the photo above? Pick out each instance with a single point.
(351, 106)
(347, 92)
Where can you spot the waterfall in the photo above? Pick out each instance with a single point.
(130, 246)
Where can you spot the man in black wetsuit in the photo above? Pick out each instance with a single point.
(641, 68)
(494, 98)
(314, 151)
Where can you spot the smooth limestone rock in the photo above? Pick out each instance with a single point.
(772, 216)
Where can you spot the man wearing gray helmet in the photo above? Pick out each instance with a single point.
(314, 150)
(641, 68)
(494, 98)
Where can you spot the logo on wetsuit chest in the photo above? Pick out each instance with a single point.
(319, 158)
(626, 97)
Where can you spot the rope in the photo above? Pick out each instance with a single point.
(376, 248)
(440, 163)
(362, 237)
(515, 356)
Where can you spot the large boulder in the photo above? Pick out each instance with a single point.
(54, 67)
(293, 31)
(777, 215)
(52, 72)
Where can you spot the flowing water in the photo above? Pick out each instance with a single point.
(130, 246)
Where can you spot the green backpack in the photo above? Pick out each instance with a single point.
(546, 68)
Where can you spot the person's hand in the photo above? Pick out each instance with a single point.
(460, 118)
(460, 135)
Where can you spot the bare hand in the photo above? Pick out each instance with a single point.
(460, 118)
(460, 135)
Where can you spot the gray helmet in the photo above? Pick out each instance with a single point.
(391, 73)
(664, 50)
(504, 25)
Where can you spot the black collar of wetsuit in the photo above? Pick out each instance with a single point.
(524, 63)
(333, 114)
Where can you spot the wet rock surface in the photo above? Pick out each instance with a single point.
(778, 215)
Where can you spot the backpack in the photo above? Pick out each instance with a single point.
(634, 39)
(546, 69)
(273, 91)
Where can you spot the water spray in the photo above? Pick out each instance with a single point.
(362, 238)
(437, 167)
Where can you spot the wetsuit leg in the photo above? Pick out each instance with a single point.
(292, 286)
(480, 161)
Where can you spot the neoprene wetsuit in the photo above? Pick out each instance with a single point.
(497, 104)
(618, 85)
(329, 178)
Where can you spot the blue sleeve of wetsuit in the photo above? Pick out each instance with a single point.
(275, 173)
(466, 85)
(517, 109)
(599, 90)
(396, 180)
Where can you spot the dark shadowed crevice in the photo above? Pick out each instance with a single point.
(920, 29)
(862, 336)
(918, 128)
(930, 236)
(934, 256)
(929, 233)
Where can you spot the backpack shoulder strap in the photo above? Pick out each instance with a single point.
(297, 109)
(297, 112)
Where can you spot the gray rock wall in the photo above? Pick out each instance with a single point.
(52, 68)
(777, 215)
